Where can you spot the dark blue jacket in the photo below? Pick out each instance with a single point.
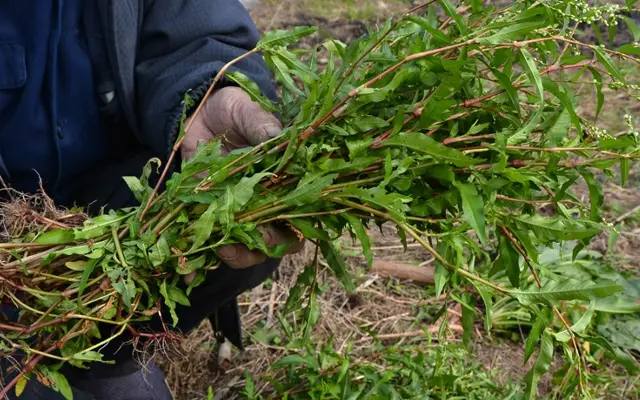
(156, 50)
(148, 53)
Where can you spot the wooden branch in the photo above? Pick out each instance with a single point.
(404, 271)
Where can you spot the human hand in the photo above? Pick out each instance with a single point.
(231, 114)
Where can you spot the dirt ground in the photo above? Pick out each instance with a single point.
(382, 305)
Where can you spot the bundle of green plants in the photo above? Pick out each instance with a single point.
(454, 122)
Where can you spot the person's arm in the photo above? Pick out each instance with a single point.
(182, 46)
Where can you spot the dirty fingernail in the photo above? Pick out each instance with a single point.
(272, 130)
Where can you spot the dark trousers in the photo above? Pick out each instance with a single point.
(126, 378)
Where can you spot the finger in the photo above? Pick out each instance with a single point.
(238, 256)
(274, 236)
(197, 135)
(254, 124)
(190, 278)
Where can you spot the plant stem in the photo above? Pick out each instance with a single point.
(454, 140)
(316, 214)
(268, 211)
(119, 252)
(166, 220)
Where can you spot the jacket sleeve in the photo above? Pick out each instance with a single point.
(182, 46)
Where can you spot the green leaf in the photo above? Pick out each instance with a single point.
(365, 123)
(309, 228)
(569, 289)
(467, 319)
(243, 191)
(558, 228)
(337, 265)
(579, 326)
(625, 166)
(204, 226)
(60, 383)
(441, 277)
(298, 68)
(282, 73)
(305, 280)
(187, 103)
(423, 23)
(621, 304)
(292, 147)
(86, 273)
(509, 259)
(56, 236)
(123, 284)
(513, 32)
(308, 190)
(362, 236)
(630, 49)
(177, 295)
(252, 89)
(523, 134)
(473, 209)
(596, 195)
(20, 385)
(531, 69)
(169, 302)
(160, 252)
(538, 327)
(540, 367)
(358, 147)
(633, 27)
(597, 76)
(450, 10)
(488, 305)
(424, 144)
(560, 129)
(552, 87)
(79, 265)
(284, 37)
(295, 360)
(605, 60)
(507, 85)
(376, 95)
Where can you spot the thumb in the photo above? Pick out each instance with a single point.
(253, 123)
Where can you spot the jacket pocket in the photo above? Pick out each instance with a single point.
(13, 76)
(13, 67)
